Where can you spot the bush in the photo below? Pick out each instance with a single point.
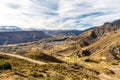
(4, 65)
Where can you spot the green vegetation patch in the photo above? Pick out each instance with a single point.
(5, 65)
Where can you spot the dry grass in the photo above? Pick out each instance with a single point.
(26, 70)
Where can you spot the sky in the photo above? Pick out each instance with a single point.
(58, 14)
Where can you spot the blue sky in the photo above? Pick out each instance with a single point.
(58, 14)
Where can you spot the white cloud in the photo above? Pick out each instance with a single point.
(58, 14)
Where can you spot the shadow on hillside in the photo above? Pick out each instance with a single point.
(45, 57)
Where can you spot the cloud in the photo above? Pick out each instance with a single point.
(58, 14)
(14, 6)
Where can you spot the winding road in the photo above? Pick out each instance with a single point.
(24, 58)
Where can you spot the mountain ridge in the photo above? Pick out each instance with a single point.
(21, 36)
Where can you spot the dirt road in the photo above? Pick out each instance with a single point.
(24, 58)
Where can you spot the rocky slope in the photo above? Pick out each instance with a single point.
(91, 35)
(106, 48)
(101, 43)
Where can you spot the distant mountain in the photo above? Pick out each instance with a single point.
(21, 36)
(49, 32)
(10, 28)
(63, 32)
(14, 34)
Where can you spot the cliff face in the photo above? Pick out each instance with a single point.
(21, 36)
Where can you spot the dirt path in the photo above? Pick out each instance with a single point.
(24, 58)
(106, 77)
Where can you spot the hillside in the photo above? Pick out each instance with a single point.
(106, 48)
(102, 41)
(91, 35)
(99, 43)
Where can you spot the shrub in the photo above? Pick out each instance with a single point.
(4, 65)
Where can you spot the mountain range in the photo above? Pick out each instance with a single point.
(14, 34)
(92, 54)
